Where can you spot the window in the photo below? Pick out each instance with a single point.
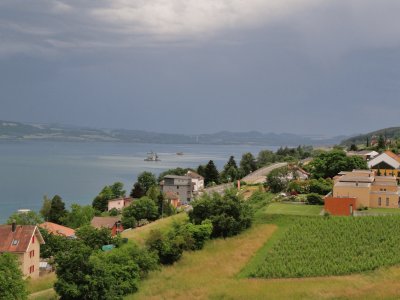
(14, 242)
(32, 253)
(387, 201)
(33, 239)
(31, 269)
(177, 187)
(379, 201)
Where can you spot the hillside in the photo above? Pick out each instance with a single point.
(390, 133)
(17, 131)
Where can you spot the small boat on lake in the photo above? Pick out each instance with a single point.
(152, 156)
(179, 153)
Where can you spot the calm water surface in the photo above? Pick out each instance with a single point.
(78, 171)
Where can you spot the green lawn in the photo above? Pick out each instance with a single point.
(383, 211)
(293, 209)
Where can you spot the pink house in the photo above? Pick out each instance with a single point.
(119, 203)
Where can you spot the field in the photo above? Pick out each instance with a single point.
(293, 209)
(321, 246)
(219, 270)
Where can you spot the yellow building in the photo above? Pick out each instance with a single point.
(386, 164)
(368, 189)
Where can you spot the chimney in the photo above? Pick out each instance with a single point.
(14, 226)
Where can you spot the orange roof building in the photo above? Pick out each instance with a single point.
(57, 229)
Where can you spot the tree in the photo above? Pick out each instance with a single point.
(329, 164)
(46, 207)
(12, 284)
(353, 147)
(93, 237)
(144, 208)
(100, 202)
(381, 143)
(277, 180)
(28, 218)
(79, 216)
(265, 157)
(54, 244)
(57, 210)
(229, 214)
(230, 171)
(247, 164)
(211, 173)
(144, 182)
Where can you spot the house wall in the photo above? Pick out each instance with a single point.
(340, 206)
(118, 204)
(198, 184)
(115, 230)
(361, 193)
(181, 187)
(27, 260)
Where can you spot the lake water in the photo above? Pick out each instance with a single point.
(78, 171)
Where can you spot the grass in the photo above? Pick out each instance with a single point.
(383, 211)
(293, 209)
(140, 234)
(48, 294)
(42, 283)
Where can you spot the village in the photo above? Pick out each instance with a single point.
(290, 179)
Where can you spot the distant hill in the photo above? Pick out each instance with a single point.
(17, 131)
(391, 133)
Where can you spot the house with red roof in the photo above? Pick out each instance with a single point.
(112, 223)
(57, 229)
(23, 241)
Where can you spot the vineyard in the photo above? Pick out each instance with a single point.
(322, 246)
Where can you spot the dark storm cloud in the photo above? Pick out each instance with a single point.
(202, 66)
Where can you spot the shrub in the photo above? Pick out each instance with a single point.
(229, 214)
(315, 199)
(113, 212)
(168, 250)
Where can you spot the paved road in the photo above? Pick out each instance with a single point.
(257, 176)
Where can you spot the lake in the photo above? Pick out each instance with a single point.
(78, 171)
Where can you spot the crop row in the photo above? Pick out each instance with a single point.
(325, 246)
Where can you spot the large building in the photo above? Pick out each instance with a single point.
(362, 188)
(23, 241)
(180, 185)
(197, 181)
(386, 163)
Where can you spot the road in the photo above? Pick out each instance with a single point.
(257, 176)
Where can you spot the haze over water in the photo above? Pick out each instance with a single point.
(78, 171)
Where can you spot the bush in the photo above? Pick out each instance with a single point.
(315, 199)
(113, 212)
(228, 214)
(168, 250)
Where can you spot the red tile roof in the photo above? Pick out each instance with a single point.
(19, 240)
(108, 222)
(57, 229)
(392, 155)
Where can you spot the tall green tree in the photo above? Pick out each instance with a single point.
(211, 174)
(230, 171)
(12, 285)
(144, 182)
(247, 164)
(381, 143)
(265, 157)
(57, 210)
(143, 208)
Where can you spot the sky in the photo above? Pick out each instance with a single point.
(326, 67)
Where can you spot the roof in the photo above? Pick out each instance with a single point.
(108, 222)
(393, 155)
(171, 195)
(195, 175)
(177, 177)
(57, 229)
(388, 157)
(22, 237)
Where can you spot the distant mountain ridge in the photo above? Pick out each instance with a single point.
(390, 133)
(18, 131)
